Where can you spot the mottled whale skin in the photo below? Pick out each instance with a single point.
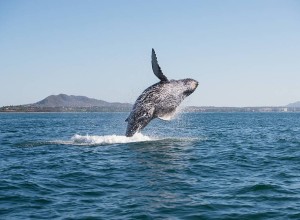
(159, 100)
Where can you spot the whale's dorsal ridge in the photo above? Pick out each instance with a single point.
(156, 68)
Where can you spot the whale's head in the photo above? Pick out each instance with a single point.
(187, 86)
(190, 86)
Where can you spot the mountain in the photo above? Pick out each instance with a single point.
(63, 100)
(69, 103)
(294, 105)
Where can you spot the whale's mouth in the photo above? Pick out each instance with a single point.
(194, 85)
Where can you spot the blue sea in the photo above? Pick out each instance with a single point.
(196, 166)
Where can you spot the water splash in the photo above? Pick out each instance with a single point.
(108, 139)
(90, 140)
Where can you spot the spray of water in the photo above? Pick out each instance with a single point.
(108, 139)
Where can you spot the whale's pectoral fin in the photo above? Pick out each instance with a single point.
(156, 68)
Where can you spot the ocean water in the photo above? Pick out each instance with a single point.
(197, 166)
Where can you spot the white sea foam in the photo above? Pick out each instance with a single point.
(88, 140)
(108, 139)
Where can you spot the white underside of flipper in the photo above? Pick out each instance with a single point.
(169, 116)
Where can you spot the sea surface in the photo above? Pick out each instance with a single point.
(196, 166)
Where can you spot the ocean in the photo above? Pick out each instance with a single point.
(197, 166)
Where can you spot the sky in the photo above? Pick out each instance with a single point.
(242, 53)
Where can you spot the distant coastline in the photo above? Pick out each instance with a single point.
(29, 109)
(63, 109)
(241, 109)
(70, 103)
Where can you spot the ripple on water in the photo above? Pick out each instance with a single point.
(199, 166)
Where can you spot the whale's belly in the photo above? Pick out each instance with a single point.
(167, 116)
(166, 108)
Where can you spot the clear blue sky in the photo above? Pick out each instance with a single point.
(243, 53)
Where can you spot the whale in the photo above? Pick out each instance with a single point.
(159, 100)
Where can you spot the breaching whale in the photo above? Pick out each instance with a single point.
(159, 100)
